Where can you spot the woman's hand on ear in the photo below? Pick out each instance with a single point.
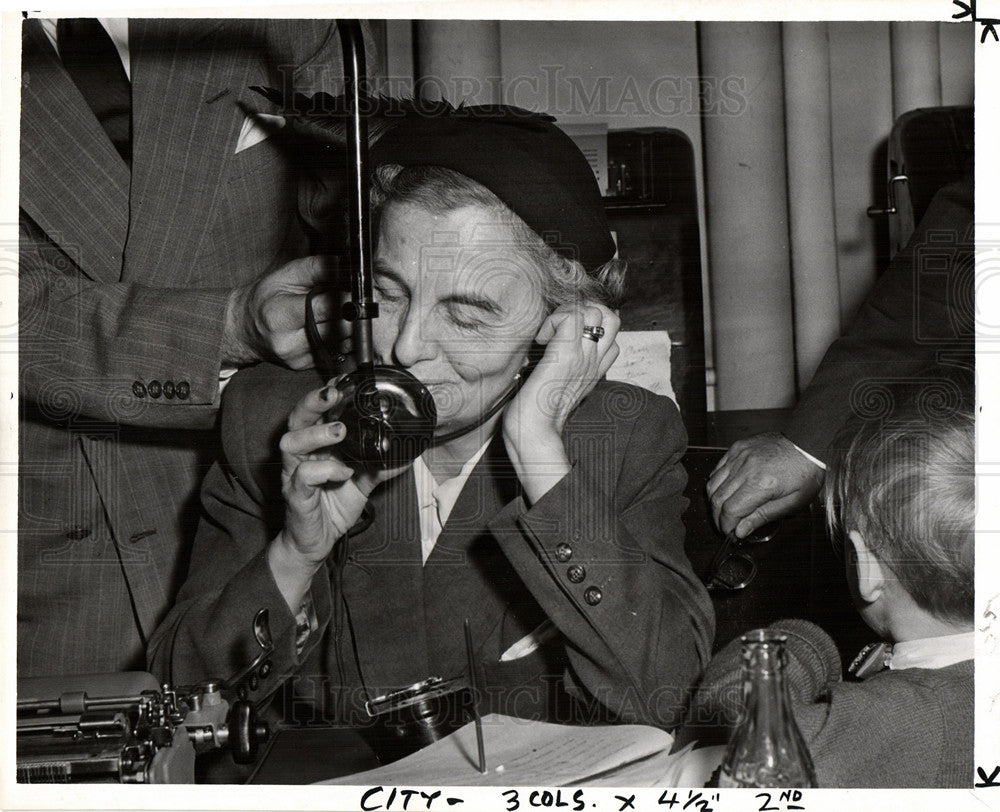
(567, 372)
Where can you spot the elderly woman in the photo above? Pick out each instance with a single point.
(553, 526)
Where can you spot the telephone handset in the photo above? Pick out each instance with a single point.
(390, 415)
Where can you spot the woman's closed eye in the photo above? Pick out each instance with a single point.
(473, 314)
(386, 290)
(466, 318)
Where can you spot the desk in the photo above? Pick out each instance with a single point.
(610, 757)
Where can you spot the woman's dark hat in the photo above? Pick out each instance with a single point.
(523, 158)
(520, 156)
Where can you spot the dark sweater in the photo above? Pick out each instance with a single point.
(904, 728)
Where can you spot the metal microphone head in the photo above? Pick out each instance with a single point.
(389, 417)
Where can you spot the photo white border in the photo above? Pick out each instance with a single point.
(13, 796)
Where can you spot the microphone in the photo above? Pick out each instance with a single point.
(390, 417)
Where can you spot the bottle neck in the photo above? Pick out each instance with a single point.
(765, 656)
(766, 699)
(766, 749)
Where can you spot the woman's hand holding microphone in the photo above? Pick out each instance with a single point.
(324, 497)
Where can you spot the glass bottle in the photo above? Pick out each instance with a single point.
(767, 748)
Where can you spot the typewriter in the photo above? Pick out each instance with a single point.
(127, 728)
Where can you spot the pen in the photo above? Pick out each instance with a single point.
(475, 698)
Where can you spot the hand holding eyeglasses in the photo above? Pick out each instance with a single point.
(733, 568)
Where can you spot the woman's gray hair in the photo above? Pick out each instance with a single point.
(440, 190)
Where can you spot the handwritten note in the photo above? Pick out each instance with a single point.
(521, 752)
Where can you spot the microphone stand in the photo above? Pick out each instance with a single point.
(362, 308)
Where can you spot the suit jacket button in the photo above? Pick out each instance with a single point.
(139, 389)
(253, 682)
(183, 390)
(154, 389)
(168, 389)
(564, 552)
(77, 532)
(592, 595)
(576, 573)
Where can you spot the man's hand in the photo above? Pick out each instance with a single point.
(760, 479)
(266, 318)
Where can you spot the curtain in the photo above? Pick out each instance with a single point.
(788, 178)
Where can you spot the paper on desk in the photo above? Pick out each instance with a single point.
(688, 767)
(521, 752)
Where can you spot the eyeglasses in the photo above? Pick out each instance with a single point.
(733, 568)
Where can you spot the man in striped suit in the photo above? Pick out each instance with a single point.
(158, 243)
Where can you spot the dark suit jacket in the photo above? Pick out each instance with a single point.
(123, 283)
(387, 622)
(918, 320)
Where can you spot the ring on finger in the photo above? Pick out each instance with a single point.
(595, 334)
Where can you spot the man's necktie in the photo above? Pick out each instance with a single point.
(92, 61)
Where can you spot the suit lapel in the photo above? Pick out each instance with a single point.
(467, 575)
(74, 185)
(383, 587)
(407, 618)
(187, 87)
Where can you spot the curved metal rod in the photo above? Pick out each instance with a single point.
(363, 307)
(375, 438)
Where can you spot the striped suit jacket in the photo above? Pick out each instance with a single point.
(124, 278)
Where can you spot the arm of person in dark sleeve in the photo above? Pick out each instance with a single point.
(636, 621)
(134, 353)
(812, 664)
(920, 312)
(209, 633)
(916, 322)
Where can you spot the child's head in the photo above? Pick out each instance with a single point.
(902, 496)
